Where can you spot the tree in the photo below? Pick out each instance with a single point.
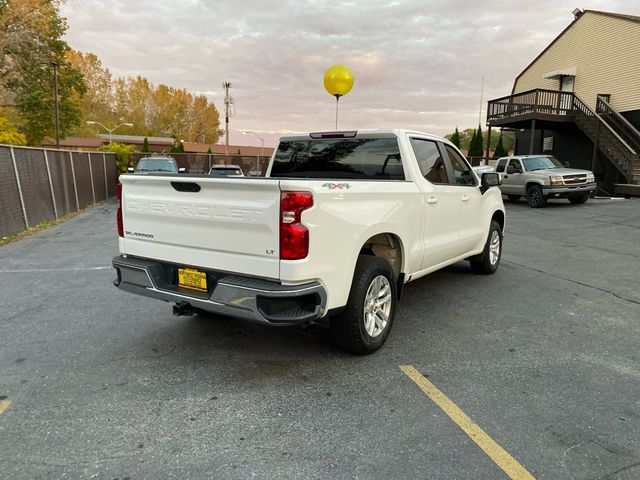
(455, 138)
(98, 101)
(467, 134)
(178, 147)
(132, 104)
(30, 45)
(209, 150)
(123, 155)
(145, 146)
(476, 148)
(499, 151)
(9, 134)
(204, 125)
(165, 111)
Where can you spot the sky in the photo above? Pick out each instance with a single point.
(416, 64)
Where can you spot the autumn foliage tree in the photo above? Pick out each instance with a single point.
(30, 45)
(9, 134)
(155, 111)
(97, 102)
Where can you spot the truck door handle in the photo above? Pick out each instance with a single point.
(465, 198)
(432, 200)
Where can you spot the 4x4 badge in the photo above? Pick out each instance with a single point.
(336, 186)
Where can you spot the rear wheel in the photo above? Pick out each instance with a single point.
(579, 198)
(365, 323)
(488, 261)
(535, 197)
(514, 198)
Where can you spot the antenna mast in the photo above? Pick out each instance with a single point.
(228, 100)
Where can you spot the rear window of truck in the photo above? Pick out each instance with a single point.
(375, 158)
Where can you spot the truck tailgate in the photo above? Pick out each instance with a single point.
(228, 224)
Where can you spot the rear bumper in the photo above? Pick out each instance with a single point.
(241, 297)
(566, 190)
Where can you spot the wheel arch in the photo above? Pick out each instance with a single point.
(529, 183)
(388, 246)
(499, 217)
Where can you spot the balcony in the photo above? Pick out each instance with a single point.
(518, 110)
(609, 131)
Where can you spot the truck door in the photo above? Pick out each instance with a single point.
(512, 179)
(441, 204)
(472, 228)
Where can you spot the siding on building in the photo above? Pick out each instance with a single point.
(604, 49)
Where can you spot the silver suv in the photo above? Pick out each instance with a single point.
(540, 177)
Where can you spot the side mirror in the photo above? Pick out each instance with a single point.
(130, 169)
(566, 164)
(489, 179)
(182, 170)
(512, 170)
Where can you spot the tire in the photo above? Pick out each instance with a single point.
(488, 261)
(535, 197)
(361, 328)
(579, 198)
(514, 198)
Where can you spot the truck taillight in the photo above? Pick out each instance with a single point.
(294, 236)
(119, 212)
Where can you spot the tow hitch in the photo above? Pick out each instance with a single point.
(182, 308)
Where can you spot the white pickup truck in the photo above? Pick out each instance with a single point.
(340, 223)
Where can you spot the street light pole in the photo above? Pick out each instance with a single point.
(110, 130)
(247, 132)
(55, 102)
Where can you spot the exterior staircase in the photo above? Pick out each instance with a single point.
(610, 132)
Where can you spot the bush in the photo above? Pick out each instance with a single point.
(123, 155)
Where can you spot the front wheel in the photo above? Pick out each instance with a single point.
(535, 197)
(579, 198)
(488, 261)
(364, 325)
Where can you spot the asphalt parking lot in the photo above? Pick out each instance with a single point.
(543, 356)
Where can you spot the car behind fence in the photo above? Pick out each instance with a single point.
(38, 185)
(202, 162)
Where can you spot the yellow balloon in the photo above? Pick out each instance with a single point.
(338, 80)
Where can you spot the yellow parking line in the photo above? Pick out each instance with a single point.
(499, 455)
(4, 404)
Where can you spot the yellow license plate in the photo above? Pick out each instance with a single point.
(192, 279)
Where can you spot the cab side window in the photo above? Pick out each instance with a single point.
(461, 171)
(430, 161)
(514, 166)
(501, 165)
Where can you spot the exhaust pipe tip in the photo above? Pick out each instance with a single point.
(182, 309)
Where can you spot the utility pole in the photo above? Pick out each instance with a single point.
(55, 102)
(227, 104)
(481, 94)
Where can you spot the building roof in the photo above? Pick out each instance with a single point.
(86, 142)
(138, 139)
(620, 16)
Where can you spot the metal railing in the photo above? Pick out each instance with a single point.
(605, 138)
(202, 162)
(532, 101)
(618, 123)
(609, 130)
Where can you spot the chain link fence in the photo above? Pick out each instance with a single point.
(202, 162)
(39, 185)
